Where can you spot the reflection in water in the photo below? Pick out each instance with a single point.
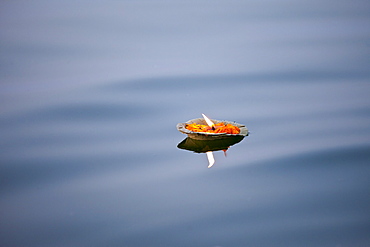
(211, 159)
(203, 146)
(208, 146)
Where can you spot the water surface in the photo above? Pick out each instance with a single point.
(91, 94)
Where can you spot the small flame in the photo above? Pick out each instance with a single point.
(211, 159)
(209, 122)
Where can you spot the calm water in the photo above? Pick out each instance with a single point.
(91, 93)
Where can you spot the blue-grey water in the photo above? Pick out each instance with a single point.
(91, 92)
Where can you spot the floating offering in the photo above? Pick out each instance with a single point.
(216, 128)
(206, 135)
(207, 129)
